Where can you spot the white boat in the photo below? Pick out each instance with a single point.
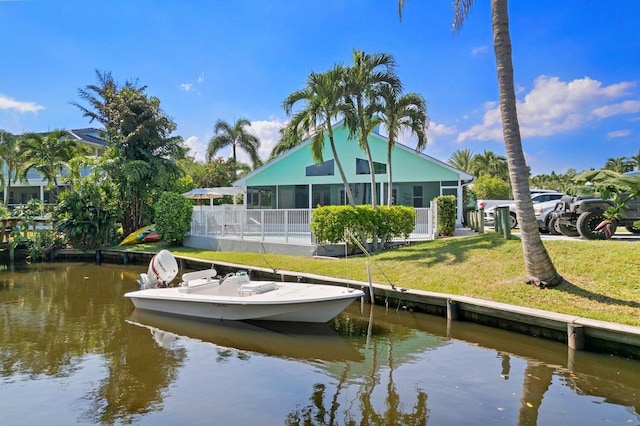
(235, 297)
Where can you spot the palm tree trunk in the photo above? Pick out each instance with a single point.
(347, 188)
(540, 269)
(390, 178)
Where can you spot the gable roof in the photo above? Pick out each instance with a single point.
(377, 142)
(89, 135)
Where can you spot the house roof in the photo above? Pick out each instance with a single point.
(88, 135)
(462, 176)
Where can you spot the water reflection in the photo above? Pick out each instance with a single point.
(71, 343)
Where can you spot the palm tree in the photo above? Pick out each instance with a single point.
(398, 112)
(324, 101)
(461, 159)
(49, 154)
(235, 136)
(636, 160)
(11, 154)
(363, 81)
(489, 163)
(540, 268)
(620, 164)
(289, 138)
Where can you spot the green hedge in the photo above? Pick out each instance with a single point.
(446, 214)
(173, 217)
(328, 223)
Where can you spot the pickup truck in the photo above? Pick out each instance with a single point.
(536, 197)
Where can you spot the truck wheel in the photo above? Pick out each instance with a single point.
(513, 221)
(567, 231)
(552, 226)
(633, 229)
(587, 224)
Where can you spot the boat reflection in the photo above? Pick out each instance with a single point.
(304, 341)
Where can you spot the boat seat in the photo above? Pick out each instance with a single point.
(206, 274)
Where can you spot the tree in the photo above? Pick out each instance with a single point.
(11, 154)
(289, 138)
(323, 97)
(461, 160)
(235, 136)
(490, 163)
(636, 160)
(363, 82)
(620, 164)
(141, 158)
(398, 112)
(540, 268)
(49, 154)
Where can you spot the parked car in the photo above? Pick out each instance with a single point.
(536, 198)
(577, 216)
(544, 218)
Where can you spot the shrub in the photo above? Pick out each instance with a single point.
(173, 217)
(446, 205)
(491, 188)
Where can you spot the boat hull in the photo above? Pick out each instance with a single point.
(290, 302)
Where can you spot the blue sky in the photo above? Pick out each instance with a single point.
(577, 67)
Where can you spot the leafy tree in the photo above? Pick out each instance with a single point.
(491, 188)
(363, 82)
(235, 136)
(540, 268)
(11, 155)
(461, 160)
(141, 155)
(323, 97)
(398, 112)
(289, 138)
(49, 154)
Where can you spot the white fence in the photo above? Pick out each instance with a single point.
(289, 226)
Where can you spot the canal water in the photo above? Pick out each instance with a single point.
(74, 351)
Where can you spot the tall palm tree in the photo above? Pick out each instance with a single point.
(620, 164)
(461, 159)
(363, 81)
(49, 154)
(11, 155)
(235, 136)
(540, 268)
(398, 112)
(323, 96)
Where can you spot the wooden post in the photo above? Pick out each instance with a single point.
(575, 336)
(452, 310)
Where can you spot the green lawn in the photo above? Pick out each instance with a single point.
(603, 277)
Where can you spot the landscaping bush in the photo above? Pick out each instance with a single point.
(446, 205)
(173, 217)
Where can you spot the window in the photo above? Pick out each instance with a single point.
(417, 196)
(362, 167)
(324, 169)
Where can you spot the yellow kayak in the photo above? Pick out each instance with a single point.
(138, 235)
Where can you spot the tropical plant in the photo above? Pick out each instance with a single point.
(461, 160)
(88, 214)
(491, 188)
(11, 155)
(489, 163)
(398, 112)
(49, 154)
(363, 81)
(141, 158)
(540, 268)
(237, 137)
(620, 164)
(289, 138)
(173, 217)
(323, 98)
(636, 160)
(446, 205)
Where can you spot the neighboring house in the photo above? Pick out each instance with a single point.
(35, 186)
(294, 181)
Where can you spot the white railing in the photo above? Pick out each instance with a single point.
(288, 226)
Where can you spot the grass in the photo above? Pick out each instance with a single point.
(602, 277)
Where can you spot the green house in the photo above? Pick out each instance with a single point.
(295, 181)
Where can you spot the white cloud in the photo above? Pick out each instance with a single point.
(9, 103)
(187, 87)
(618, 134)
(268, 131)
(477, 50)
(555, 106)
(200, 77)
(198, 149)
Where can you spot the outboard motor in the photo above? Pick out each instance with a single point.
(163, 268)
